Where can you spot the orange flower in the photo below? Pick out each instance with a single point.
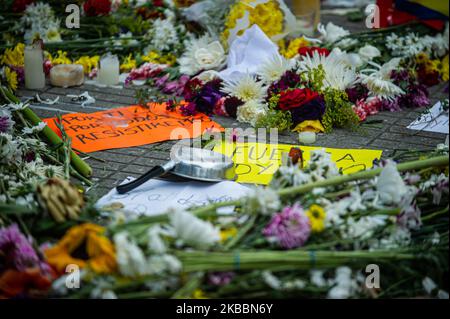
(31, 281)
(86, 246)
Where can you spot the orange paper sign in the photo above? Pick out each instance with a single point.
(131, 126)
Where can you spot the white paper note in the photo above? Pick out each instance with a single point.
(155, 197)
(434, 120)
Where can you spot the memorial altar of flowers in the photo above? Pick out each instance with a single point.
(311, 233)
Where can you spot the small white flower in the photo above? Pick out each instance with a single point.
(34, 129)
(345, 286)
(429, 285)
(246, 88)
(390, 186)
(130, 258)
(263, 200)
(17, 106)
(251, 112)
(155, 243)
(442, 294)
(369, 52)
(331, 33)
(317, 278)
(271, 280)
(192, 230)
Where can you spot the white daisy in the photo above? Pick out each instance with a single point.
(379, 82)
(274, 68)
(246, 88)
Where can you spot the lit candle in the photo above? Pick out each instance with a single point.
(307, 137)
(34, 67)
(108, 71)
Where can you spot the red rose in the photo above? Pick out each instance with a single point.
(158, 3)
(20, 5)
(94, 8)
(291, 99)
(303, 51)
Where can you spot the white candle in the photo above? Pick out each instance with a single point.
(108, 71)
(307, 137)
(34, 67)
(66, 75)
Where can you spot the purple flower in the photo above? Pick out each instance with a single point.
(357, 93)
(17, 249)
(208, 96)
(231, 105)
(6, 123)
(416, 97)
(176, 87)
(162, 80)
(188, 109)
(289, 80)
(391, 106)
(312, 110)
(221, 278)
(290, 228)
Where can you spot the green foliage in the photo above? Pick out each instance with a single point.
(339, 112)
(275, 118)
(314, 78)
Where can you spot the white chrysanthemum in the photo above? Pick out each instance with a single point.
(192, 230)
(202, 54)
(331, 32)
(338, 75)
(273, 69)
(246, 88)
(39, 20)
(379, 82)
(251, 112)
(163, 35)
(130, 258)
(262, 200)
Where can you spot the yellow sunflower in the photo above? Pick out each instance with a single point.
(86, 246)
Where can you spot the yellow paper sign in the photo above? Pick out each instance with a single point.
(257, 162)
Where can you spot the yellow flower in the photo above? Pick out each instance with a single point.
(294, 45)
(128, 64)
(310, 126)
(268, 16)
(316, 215)
(228, 234)
(60, 59)
(199, 294)
(88, 63)
(11, 78)
(15, 56)
(421, 58)
(86, 246)
(444, 69)
(151, 57)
